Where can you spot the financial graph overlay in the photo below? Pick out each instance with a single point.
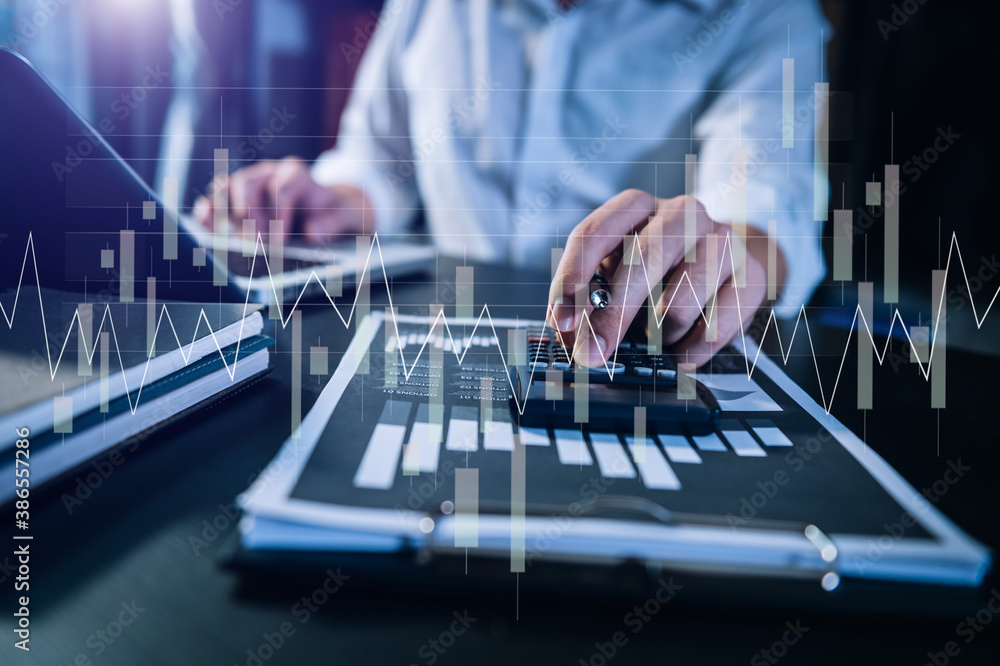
(927, 342)
(405, 445)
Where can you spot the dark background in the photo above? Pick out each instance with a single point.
(902, 80)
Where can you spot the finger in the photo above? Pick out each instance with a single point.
(575, 339)
(339, 210)
(687, 291)
(591, 344)
(591, 241)
(238, 198)
(608, 267)
(255, 201)
(203, 212)
(610, 262)
(251, 195)
(649, 255)
(734, 308)
(291, 185)
(204, 206)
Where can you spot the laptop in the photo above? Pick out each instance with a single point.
(96, 227)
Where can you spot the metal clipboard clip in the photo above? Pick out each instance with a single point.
(642, 510)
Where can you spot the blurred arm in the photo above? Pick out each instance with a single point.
(374, 130)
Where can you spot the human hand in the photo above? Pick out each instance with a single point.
(284, 190)
(596, 245)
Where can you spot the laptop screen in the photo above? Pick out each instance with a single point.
(94, 225)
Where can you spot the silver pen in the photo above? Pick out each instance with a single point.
(599, 296)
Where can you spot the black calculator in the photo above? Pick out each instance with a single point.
(548, 390)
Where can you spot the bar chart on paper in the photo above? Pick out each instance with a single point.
(417, 439)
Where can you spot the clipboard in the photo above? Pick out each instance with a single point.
(637, 531)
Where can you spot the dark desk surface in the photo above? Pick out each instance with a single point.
(139, 538)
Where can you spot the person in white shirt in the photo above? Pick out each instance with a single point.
(519, 126)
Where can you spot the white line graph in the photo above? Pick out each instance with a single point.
(91, 348)
(924, 367)
(164, 314)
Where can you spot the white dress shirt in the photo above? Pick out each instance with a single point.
(509, 121)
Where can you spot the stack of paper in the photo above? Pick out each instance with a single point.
(84, 377)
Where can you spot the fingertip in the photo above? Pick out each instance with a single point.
(201, 210)
(564, 315)
(591, 352)
(567, 340)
